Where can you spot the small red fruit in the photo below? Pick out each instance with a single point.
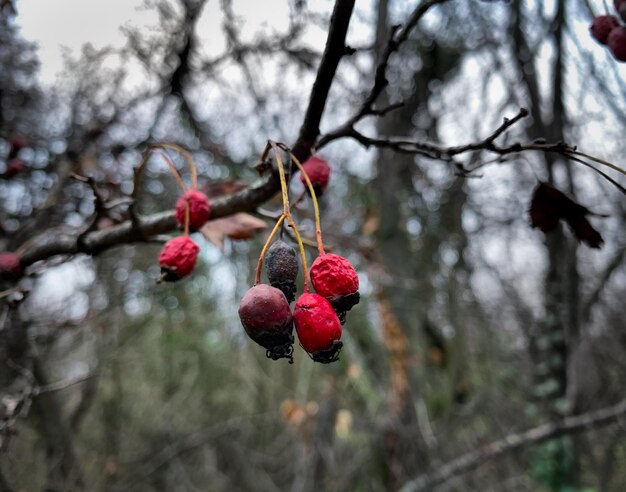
(10, 266)
(318, 172)
(336, 279)
(318, 327)
(266, 316)
(617, 43)
(178, 258)
(14, 166)
(601, 26)
(199, 209)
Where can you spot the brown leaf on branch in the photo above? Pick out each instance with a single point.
(549, 205)
(237, 226)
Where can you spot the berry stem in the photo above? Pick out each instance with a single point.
(286, 207)
(188, 158)
(316, 209)
(305, 270)
(259, 265)
(187, 219)
(283, 180)
(173, 170)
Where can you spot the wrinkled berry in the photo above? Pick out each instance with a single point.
(199, 209)
(17, 143)
(617, 43)
(282, 269)
(601, 26)
(318, 172)
(266, 316)
(178, 258)
(334, 278)
(10, 266)
(318, 327)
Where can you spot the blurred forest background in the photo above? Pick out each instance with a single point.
(472, 325)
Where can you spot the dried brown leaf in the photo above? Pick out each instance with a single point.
(237, 226)
(549, 205)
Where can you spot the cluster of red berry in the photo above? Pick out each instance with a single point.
(193, 209)
(265, 311)
(606, 29)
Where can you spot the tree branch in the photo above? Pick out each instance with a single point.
(398, 36)
(333, 52)
(514, 442)
(52, 243)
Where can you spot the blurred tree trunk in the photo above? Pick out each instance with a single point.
(557, 333)
(63, 470)
(402, 313)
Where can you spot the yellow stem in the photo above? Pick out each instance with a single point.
(188, 158)
(259, 265)
(283, 180)
(318, 225)
(292, 224)
(187, 216)
(287, 209)
(173, 170)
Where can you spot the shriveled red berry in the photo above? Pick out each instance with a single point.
(617, 43)
(266, 316)
(10, 265)
(282, 268)
(199, 209)
(336, 279)
(318, 327)
(14, 167)
(178, 258)
(601, 26)
(318, 172)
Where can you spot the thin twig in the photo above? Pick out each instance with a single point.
(513, 442)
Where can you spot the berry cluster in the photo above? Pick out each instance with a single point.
(193, 209)
(264, 310)
(606, 29)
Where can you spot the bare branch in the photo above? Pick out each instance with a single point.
(514, 442)
(398, 36)
(52, 243)
(333, 52)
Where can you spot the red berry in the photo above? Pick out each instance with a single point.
(266, 316)
(199, 209)
(333, 275)
(10, 265)
(336, 279)
(178, 258)
(318, 327)
(318, 172)
(14, 166)
(617, 43)
(601, 26)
